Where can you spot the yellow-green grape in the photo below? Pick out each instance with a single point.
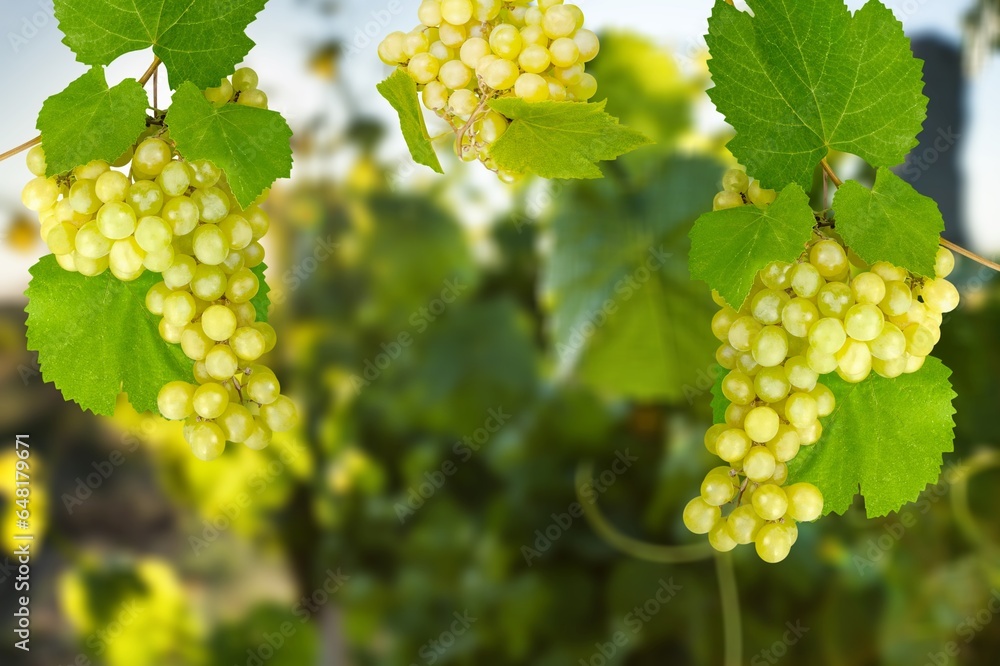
(565, 54)
(799, 316)
(773, 543)
(213, 204)
(61, 239)
(742, 333)
(218, 322)
(195, 344)
(280, 415)
(759, 464)
(505, 41)
(722, 322)
(90, 267)
(116, 220)
(785, 444)
(712, 436)
(717, 488)
(180, 273)
(806, 280)
(207, 441)
(700, 517)
(800, 375)
(179, 308)
(770, 346)
(201, 375)
(221, 94)
(253, 255)
(260, 437)
(868, 288)
(174, 180)
(743, 524)
(40, 194)
(111, 187)
(770, 502)
(771, 384)
(232, 263)
(208, 282)
(153, 234)
(944, 262)
(738, 388)
(491, 127)
(423, 68)
(780, 475)
(268, 333)
(253, 98)
(456, 12)
(67, 262)
(414, 43)
(248, 343)
(204, 174)
(767, 305)
(559, 21)
(259, 221)
(585, 89)
(221, 362)
(759, 196)
(36, 161)
(720, 539)
(245, 78)
(828, 335)
(864, 322)
(834, 300)
(825, 400)
(531, 88)
(125, 260)
(455, 74)
(159, 261)
(736, 180)
(83, 197)
(237, 423)
(890, 369)
(898, 299)
(920, 340)
(501, 74)
(777, 276)
(888, 272)
(429, 13)
(473, 51)
(181, 214)
(829, 258)
(854, 358)
(435, 96)
(940, 295)
(534, 59)
(726, 356)
(243, 285)
(727, 200)
(263, 388)
(557, 91)
(890, 344)
(733, 445)
(176, 401)
(210, 244)
(805, 502)
(736, 415)
(151, 156)
(588, 44)
(210, 400)
(91, 170)
(246, 313)
(801, 410)
(155, 297)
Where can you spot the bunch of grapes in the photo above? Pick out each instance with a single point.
(179, 219)
(468, 52)
(828, 312)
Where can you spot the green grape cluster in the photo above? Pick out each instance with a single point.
(827, 312)
(468, 52)
(179, 219)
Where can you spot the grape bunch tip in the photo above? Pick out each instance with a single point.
(827, 312)
(179, 218)
(468, 52)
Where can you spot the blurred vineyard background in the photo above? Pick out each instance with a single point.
(502, 422)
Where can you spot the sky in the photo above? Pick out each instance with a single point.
(34, 64)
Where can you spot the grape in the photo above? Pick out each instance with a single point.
(700, 517)
(218, 322)
(801, 409)
(743, 524)
(733, 445)
(767, 305)
(868, 288)
(151, 156)
(784, 446)
(855, 358)
(890, 344)
(126, 260)
(806, 280)
(210, 400)
(717, 488)
(35, 160)
(248, 343)
(736, 180)
(263, 388)
(221, 362)
(40, 194)
(805, 502)
(940, 295)
(720, 538)
(944, 262)
(773, 543)
(898, 299)
(736, 414)
(888, 272)
(759, 196)
(237, 423)
(799, 316)
(919, 340)
(195, 344)
(742, 333)
(759, 464)
(176, 401)
(207, 441)
(210, 244)
(829, 258)
(800, 375)
(243, 285)
(179, 308)
(111, 187)
(770, 346)
(208, 282)
(771, 384)
(825, 400)
(738, 388)
(770, 502)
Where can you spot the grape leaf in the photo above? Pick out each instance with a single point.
(623, 307)
(261, 302)
(200, 41)
(801, 78)
(88, 121)
(729, 247)
(891, 222)
(886, 437)
(560, 139)
(401, 92)
(95, 338)
(253, 146)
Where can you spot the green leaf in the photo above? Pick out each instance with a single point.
(261, 302)
(87, 121)
(624, 311)
(729, 247)
(560, 139)
(886, 437)
(198, 40)
(96, 339)
(891, 222)
(401, 92)
(801, 78)
(253, 146)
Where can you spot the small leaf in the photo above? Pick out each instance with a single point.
(87, 121)
(253, 146)
(401, 92)
(729, 247)
(891, 222)
(798, 79)
(886, 437)
(96, 339)
(200, 41)
(560, 139)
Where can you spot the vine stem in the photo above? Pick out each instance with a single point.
(944, 242)
(732, 623)
(143, 80)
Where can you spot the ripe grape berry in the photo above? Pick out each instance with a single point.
(827, 312)
(468, 52)
(179, 218)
